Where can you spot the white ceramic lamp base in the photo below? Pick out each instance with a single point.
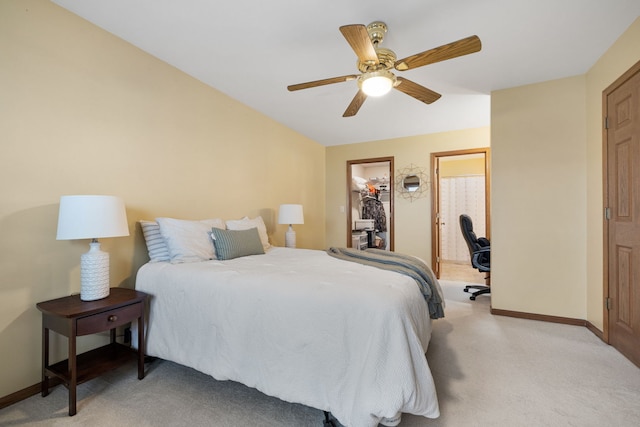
(94, 273)
(290, 238)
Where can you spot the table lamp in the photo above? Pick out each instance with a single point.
(92, 217)
(290, 214)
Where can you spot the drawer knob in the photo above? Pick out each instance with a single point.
(112, 318)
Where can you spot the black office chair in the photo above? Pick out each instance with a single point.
(480, 252)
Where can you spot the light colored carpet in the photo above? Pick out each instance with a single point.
(489, 371)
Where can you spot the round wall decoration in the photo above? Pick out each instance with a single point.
(412, 182)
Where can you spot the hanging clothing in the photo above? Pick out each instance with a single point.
(374, 209)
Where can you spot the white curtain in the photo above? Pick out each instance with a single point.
(460, 195)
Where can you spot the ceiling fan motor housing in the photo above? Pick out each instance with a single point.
(376, 31)
(387, 58)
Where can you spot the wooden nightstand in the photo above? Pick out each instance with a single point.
(72, 317)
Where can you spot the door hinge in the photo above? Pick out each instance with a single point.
(607, 213)
(608, 303)
(606, 122)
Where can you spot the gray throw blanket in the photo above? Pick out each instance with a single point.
(403, 264)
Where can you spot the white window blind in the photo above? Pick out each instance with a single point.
(460, 195)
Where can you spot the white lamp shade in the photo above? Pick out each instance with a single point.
(91, 217)
(377, 83)
(290, 214)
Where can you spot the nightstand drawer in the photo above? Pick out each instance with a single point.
(108, 319)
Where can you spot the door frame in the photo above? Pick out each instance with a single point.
(436, 238)
(605, 199)
(390, 221)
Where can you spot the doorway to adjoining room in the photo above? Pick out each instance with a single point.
(461, 186)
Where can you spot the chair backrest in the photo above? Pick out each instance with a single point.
(466, 226)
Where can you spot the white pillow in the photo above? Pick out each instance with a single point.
(246, 223)
(157, 248)
(189, 241)
(358, 184)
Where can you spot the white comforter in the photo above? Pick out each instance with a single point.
(298, 325)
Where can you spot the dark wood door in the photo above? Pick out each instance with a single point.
(623, 212)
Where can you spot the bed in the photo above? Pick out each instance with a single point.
(299, 325)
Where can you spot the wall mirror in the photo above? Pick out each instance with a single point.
(411, 183)
(370, 193)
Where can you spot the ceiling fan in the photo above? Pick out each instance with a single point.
(375, 63)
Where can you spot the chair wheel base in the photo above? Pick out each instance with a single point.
(479, 290)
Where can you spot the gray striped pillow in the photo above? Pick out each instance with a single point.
(232, 244)
(156, 246)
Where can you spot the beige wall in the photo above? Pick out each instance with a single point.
(412, 219)
(82, 112)
(465, 166)
(547, 173)
(538, 203)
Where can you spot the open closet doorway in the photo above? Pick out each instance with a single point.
(461, 185)
(370, 206)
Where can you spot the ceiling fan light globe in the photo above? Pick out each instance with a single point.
(377, 83)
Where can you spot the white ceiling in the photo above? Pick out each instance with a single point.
(252, 50)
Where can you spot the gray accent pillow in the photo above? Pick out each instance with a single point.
(232, 244)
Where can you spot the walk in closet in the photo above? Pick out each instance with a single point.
(370, 216)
